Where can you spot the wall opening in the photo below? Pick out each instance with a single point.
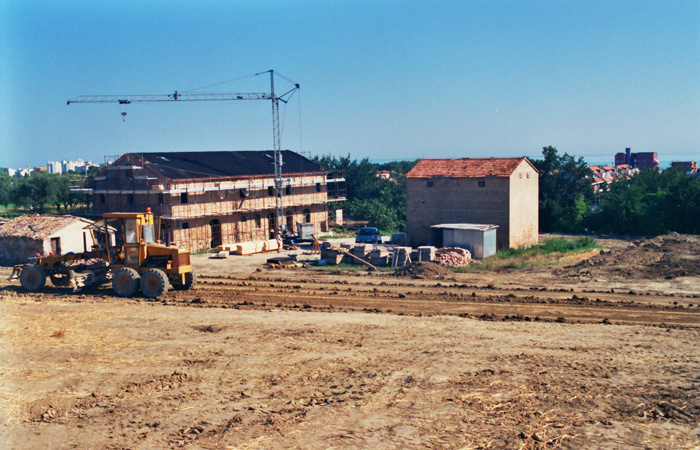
(56, 245)
(215, 226)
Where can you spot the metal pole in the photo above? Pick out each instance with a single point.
(279, 210)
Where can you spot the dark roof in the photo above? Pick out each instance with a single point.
(179, 165)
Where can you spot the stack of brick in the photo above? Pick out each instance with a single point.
(331, 256)
(379, 256)
(453, 256)
(362, 251)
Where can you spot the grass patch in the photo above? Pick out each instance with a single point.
(549, 252)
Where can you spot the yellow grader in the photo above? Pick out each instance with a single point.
(126, 250)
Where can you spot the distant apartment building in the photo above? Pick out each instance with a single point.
(688, 166)
(54, 166)
(77, 166)
(641, 161)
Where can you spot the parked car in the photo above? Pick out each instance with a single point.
(368, 235)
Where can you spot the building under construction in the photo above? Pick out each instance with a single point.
(207, 199)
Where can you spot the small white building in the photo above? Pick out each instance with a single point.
(26, 236)
(479, 239)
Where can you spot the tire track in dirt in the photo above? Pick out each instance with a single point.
(411, 297)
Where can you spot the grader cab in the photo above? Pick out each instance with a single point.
(126, 250)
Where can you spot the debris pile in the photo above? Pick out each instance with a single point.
(453, 256)
(422, 270)
(663, 257)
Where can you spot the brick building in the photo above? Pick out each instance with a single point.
(493, 191)
(688, 166)
(641, 160)
(210, 198)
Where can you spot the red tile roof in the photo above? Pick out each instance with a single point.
(465, 167)
(36, 227)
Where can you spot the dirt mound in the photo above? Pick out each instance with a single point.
(666, 257)
(423, 270)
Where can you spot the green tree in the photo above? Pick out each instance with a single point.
(62, 186)
(650, 203)
(5, 189)
(36, 191)
(379, 201)
(565, 191)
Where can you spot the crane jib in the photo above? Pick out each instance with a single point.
(193, 97)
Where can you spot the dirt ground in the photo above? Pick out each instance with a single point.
(600, 354)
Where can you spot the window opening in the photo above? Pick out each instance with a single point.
(130, 234)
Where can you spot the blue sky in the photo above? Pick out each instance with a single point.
(379, 79)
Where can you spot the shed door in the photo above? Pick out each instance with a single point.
(436, 237)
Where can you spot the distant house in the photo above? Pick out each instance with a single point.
(26, 236)
(206, 199)
(625, 170)
(490, 191)
(603, 176)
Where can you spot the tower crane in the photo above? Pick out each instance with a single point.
(197, 97)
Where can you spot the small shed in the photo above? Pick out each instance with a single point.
(26, 236)
(479, 239)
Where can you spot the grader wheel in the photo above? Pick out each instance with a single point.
(33, 278)
(154, 283)
(190, 281)
(125, 282)
(60, 279)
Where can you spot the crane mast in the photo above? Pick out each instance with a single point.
(201, 97)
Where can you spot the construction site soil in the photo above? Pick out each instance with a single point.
(601, 354)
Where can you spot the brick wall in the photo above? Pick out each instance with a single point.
(456, 200)
(524, 206)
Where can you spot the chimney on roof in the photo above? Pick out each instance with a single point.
(628, 156)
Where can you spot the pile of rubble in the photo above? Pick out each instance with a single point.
(453, 257)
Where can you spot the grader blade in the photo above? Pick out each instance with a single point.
(16, 271)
